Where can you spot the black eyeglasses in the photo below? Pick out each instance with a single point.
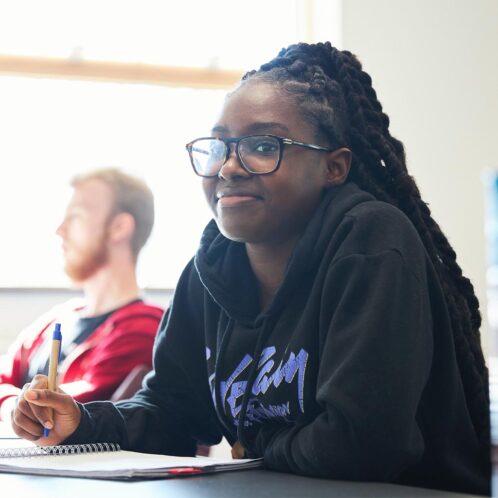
(258, 154)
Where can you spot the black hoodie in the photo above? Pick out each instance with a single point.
(352, 366)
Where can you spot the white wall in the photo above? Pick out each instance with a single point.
(434, 66)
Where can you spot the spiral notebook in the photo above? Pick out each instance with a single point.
(108, 461)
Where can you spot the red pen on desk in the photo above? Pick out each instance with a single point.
(184, 471)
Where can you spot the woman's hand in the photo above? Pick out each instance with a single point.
(38, 408)
(238, 450)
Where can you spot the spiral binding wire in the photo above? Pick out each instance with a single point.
(65, 449)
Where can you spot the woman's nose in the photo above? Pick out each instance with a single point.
(232, 167)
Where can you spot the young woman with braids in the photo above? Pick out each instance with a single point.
(324, 323)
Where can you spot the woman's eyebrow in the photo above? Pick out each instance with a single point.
(260, 127)
(255, 128)
(219, 129)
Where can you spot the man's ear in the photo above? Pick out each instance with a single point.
(338, 165)
(122, 227)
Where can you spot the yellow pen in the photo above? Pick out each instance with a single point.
(53, 365)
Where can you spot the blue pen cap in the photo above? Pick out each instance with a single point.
(57, 336)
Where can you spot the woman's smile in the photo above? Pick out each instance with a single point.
(236, 201)
(235, 196)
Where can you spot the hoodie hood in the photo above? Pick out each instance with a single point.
(225, 271)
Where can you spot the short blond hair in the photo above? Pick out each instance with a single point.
(131, 195)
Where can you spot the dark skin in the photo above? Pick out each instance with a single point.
(268, 213)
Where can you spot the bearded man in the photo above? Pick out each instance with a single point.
(111, 331)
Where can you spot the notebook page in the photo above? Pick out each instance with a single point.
(121, 463)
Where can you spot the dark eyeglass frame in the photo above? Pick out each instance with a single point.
(227, 141)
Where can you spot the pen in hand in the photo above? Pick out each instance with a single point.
(54, 363)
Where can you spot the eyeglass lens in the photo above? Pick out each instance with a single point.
(259, 154)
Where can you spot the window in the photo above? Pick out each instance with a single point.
(219, 33)
(87, 83)
(52, 129)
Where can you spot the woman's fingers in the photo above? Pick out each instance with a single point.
(25, 426)
(42, 413)
(38, 408)
(43, 399)
(24, 407)
(24, 422)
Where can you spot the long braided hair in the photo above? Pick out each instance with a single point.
(336, 96)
